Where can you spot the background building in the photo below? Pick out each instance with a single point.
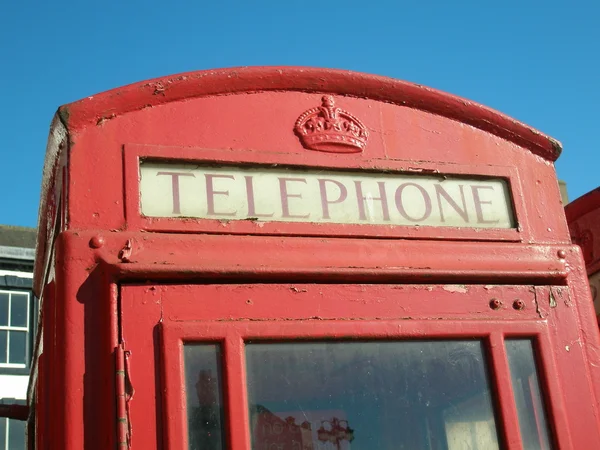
(18, 318)
(563, 192)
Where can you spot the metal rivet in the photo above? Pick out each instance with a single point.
(561, 254)
(495, 303)
(519, 305)
(97, 242)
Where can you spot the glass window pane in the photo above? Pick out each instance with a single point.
(204, 397)
(3, 309)
(17, 350)
(528, 397)
(370, 395)
(3, 346)
(16, 436)
(3, 429)
(18, 310)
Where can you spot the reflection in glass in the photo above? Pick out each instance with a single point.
(18, 347)
(3, 309)
(16, 434)
(18, 310)
(3, 346)
(528, 397)
(370, 395)
(204, 398)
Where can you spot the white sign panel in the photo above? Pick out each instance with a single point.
(293, 195)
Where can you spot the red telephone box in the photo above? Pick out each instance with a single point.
(583, 216)
(297, 259)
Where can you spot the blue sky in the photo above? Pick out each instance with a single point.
(537, 61)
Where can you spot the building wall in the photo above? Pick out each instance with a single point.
(18, 318)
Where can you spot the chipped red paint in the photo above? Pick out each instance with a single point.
(120, 292)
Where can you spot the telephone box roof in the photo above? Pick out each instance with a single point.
(90, 112)
(105, 106)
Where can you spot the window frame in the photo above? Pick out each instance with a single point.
(11, 368)
(232, 336)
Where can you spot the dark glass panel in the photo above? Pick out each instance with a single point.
(3, 309)
(3, 429)
(3, 346)
(370, 395)
(16, 435)
(528, 396)
(17, 351)
(18, 310)
(204, 396)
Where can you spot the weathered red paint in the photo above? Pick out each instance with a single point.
(115, 283)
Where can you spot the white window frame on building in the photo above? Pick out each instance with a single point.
(14, 323)
(16, 278)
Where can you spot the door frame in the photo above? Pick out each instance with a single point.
(163, 312)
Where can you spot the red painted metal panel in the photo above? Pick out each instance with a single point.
(508, 410)
(317, 279)
(180, 320)
(141, 340)
(156, 255)
(96, 266)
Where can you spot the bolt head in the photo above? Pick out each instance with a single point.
(495, 303)
(561, 254)
(519, 305)
(97, 241)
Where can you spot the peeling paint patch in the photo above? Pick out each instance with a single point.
(295, 289)
(460, 288)
(553, 303)
(159, 88)
(103, 119)
(538, 309)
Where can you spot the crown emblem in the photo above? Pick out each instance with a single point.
(328, 128)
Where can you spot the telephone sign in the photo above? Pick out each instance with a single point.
(296, 195)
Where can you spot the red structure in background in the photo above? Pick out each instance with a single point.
(335, 431)
(221, 251)
(583, 216)
(270, 431)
